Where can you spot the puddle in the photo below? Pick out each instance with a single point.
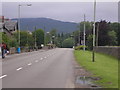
(83, 80)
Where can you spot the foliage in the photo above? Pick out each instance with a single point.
(112, 38)
(9, 40)
(23, 38)
(53, 32)
(76, 36)
(68, 43)
(39, 34)
(108, 33)
(80, 47)
(5, 39)
(13, 43)
(89, 42)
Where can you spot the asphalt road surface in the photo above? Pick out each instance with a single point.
(39, 69)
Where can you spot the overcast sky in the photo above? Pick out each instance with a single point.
(69, 11)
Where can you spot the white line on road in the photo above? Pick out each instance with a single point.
(45, 57)
(29, 64)
(19, 69)
(41, 59)
(3, 76)
(36, 61)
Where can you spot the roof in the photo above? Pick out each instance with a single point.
(10, 25)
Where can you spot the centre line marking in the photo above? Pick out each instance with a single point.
(3, 76)
(36, 61)
(45, 57)
(19, 69)
(41, 58)
(29, 64)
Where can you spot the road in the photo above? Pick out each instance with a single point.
(39, 69)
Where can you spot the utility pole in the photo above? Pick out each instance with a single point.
(84, 32)
(97, 35)
(93, 53)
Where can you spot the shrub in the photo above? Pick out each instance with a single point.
(68, 43)
(80, 47)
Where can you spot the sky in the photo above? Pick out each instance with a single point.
(63, 11)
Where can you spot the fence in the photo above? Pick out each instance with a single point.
(110, 50)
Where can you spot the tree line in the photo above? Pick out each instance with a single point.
(107, 34)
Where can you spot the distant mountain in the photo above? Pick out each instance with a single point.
(48, 24)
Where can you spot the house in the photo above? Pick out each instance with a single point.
(8, 26)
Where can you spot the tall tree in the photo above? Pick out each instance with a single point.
(39, 35)
(103, 33)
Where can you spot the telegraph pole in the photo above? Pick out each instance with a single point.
(93, 56)
(84, 32)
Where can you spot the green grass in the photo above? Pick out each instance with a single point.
(105, 67)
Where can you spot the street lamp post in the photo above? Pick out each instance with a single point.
(19, 23)
(44, 36)
(35, 39)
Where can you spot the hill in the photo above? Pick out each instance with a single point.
(47, 24)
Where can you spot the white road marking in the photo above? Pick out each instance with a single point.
(19, 69)
(36, 61)
(3, 76)
(29, 64)
(45, 57)
(41, 58)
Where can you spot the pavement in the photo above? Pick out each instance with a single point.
(39, 69)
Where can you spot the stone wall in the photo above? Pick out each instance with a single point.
(110, 50)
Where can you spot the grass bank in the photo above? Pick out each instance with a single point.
(105, 67)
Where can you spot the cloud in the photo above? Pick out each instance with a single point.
(65, 11)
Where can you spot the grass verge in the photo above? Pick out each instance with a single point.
(105, 67)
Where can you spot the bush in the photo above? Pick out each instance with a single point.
(80, 47)
(68, 43)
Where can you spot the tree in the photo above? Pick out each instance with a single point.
(68, 43)
(30, 40)
(39, 33)
(76, 35)
(23, 38)
(10, 41)
(5, 39)
(89, 42)
(104, 28)
(116, 27)
(112, 38)
(53, 32)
